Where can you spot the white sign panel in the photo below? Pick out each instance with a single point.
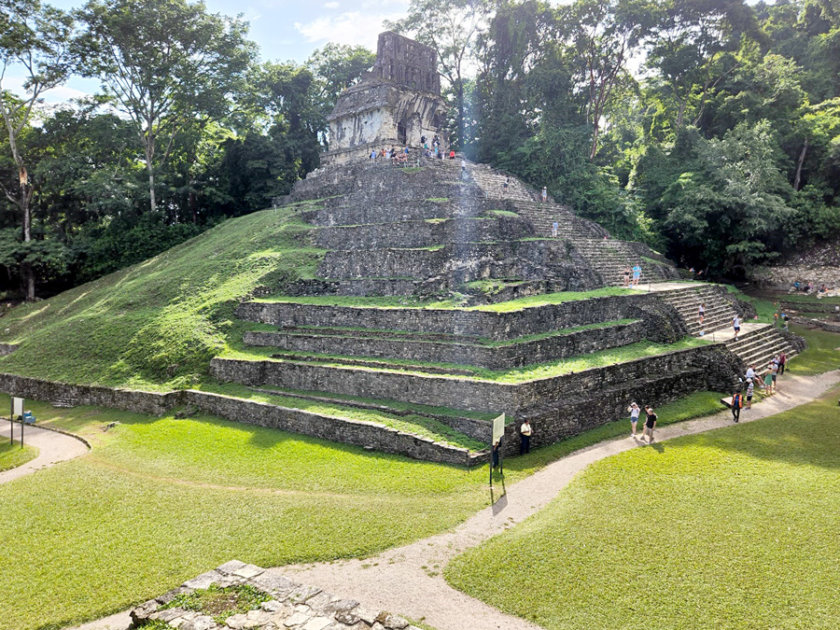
(498, 428)
(17, 406)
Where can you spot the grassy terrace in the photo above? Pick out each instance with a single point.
(422, 426)
(157, 324)
(12, 455)
(406, 302)
(551, 369)
(166, 499)
(732, 529)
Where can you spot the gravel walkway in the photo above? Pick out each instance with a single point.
(53, 447)
(407, 580)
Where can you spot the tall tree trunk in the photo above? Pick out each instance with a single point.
(798, 179)
(27, 273)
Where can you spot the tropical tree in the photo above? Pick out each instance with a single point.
(166, 64)
(34, 38)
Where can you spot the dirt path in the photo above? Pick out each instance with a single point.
(53, 447)
(407, 580)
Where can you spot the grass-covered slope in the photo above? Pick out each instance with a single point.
(736, 528)
(157, 324)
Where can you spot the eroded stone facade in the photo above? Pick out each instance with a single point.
(395, 104)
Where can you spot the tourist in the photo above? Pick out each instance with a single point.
(774, 373)
(736, 325)
(634, 417)
(627, 273)
(373, 154)
(637, 274)
(768, 379)
(544, 195)
(525, 432)
(452, 154)
(701, 312)
(650, 423)
(750, 390)
(555, 229)
(737, 403)
(782, 361)
(505, 185)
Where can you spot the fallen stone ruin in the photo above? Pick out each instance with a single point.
(287, 606)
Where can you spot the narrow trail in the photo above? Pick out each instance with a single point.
(53, 447)
(408, 581)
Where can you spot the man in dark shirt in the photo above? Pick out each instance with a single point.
(650, 423)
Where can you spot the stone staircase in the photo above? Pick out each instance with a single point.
(719, 310)
(611, 257)
(760, 344)
(491, 181)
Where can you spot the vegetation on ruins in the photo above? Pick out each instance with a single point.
(717, 529)
(708, 130)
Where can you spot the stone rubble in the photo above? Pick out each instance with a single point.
(293, 607)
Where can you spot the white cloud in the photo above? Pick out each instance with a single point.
(331, 5)
(352, 27)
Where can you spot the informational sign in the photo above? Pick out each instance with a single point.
(17, 406)
(498, 428)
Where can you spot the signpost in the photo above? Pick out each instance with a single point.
(16, 410)
(496, 446)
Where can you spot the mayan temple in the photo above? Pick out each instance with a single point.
(417, 305)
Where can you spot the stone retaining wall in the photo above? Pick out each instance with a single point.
(475, 395)
(489, 324)
(499, 357)
(422, 233)
(340, 430)
(8, 348)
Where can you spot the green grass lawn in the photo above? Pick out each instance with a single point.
(156, 325)
(821, 355)
(12, 455)
(737, 528)
(159, 500)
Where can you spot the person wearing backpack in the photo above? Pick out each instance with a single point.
(737, 403)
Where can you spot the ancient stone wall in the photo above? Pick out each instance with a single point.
(498, 357)
(406, 62)
(476, 395)
(490, 324)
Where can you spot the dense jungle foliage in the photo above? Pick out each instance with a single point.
(708, 128)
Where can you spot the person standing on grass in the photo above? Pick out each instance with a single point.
(736, 325)
(627, 273)
(737, 403)
(634, 417)
(650, 424)
(637, 273)
(525, 432)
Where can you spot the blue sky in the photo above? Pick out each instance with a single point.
(283, 29)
